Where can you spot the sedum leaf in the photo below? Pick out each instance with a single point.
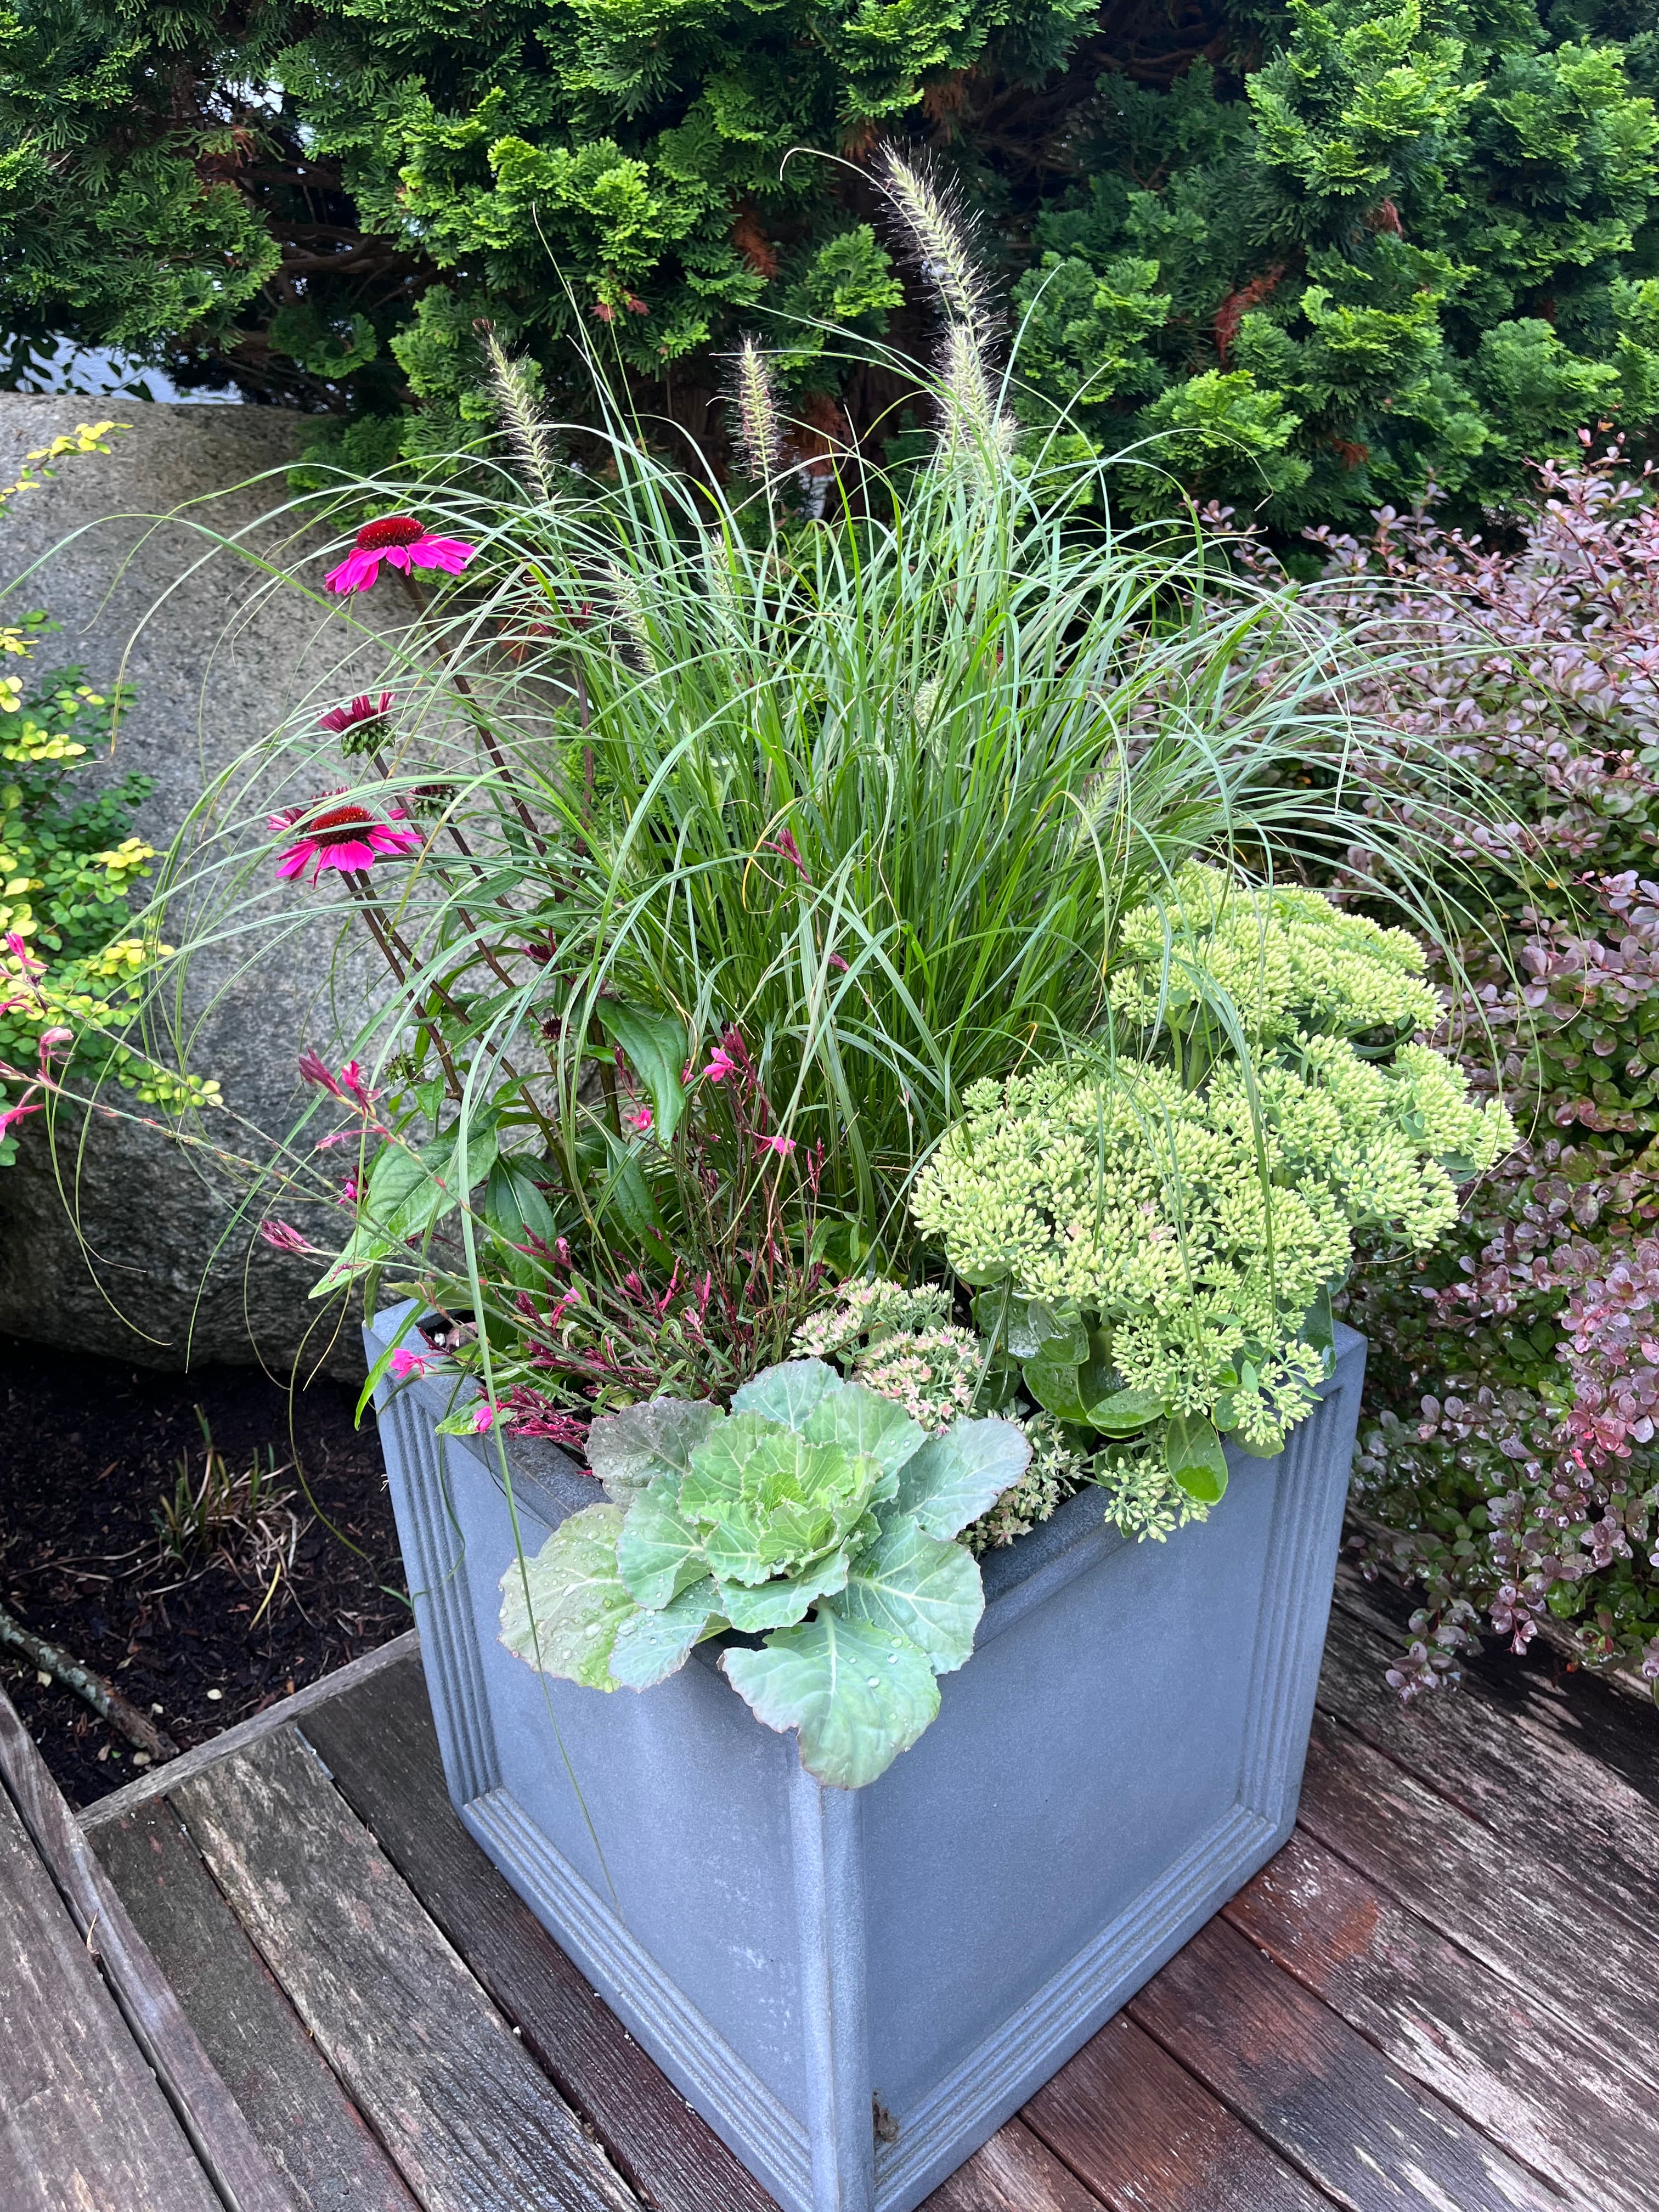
(857, 1696)
(577, 1600)
(788, 1392)
(628, 1451)
(652, 1646)
(918, 1587)
(780, 1604)
(862, 1421)
(954, 1478)
(1125, 1411)
(658, 1552)
(1194, 1456)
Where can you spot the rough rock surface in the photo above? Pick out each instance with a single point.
(159, 1263)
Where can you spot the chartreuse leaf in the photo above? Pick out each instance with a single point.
(1194, 1456)
(911, 1585)
(859, 1696)
(652, 1646)
(628, 1451)
(954, 1478)
(864, 1422)
(658, 1552)
(1125, 1412)
(771, 1503)
(655, 1044)
(780, 1604)
(788, 1392)
(576, 1603)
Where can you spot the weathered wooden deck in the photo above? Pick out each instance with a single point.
(1441, 1995)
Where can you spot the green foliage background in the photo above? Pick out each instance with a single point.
(1321, 250)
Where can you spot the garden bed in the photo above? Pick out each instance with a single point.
(93, 1447)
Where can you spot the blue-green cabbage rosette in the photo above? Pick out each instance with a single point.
(816, 1515)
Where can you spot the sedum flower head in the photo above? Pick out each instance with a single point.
(1286, 958)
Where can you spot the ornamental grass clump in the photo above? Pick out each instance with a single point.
(1155, 1238)
(734, 850)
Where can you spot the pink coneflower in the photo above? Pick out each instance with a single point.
(347, 837)
(406, 543)
(361, 725)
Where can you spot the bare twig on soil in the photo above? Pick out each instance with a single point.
(103, 1697)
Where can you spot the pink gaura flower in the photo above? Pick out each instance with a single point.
(10, 1114)
(781, 1145)
(639, 1119)
(784, 843)
(348, 1086)
(484, 1417)
(720, 1065)
(402, 542)
(347, 837)
(408, 1365)
(350, 1191)
(283, 1237)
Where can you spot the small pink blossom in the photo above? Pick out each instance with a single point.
(835, 961)
(350, 1086)
(639, 1119)
(781, 1145)
(720, 1065)
(484, 1417)
(404, 543)
(350, 1191)
(408, 1365)
(784, 842)
(347, 837)
(283, 1237)
(11, 1114)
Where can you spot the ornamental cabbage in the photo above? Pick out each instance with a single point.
(817, 1514)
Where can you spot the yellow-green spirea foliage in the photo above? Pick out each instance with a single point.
(1196, 1224)
(1288, 960)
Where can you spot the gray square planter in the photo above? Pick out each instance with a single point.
(855, 1988)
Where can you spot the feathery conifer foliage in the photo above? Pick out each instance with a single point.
(1321, 250)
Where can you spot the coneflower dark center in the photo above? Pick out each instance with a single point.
(341, 825)
(390, 530)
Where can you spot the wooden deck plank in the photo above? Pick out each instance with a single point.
(308, 2128)
(1012, 2172)
(470, 2121)
(378, 1744)
(1523, 2075)
(1484, 1892)
(213, 2122)
(1573, 1707)
(83, 2123)
(1318, 2092)
(1145, 2136)
(1580, 1818)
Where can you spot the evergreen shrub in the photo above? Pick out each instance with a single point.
(1319, 252)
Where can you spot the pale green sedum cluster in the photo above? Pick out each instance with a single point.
(1195, 1228)
(1290, 962)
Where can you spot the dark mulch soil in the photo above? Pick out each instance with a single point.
(87, 1449)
